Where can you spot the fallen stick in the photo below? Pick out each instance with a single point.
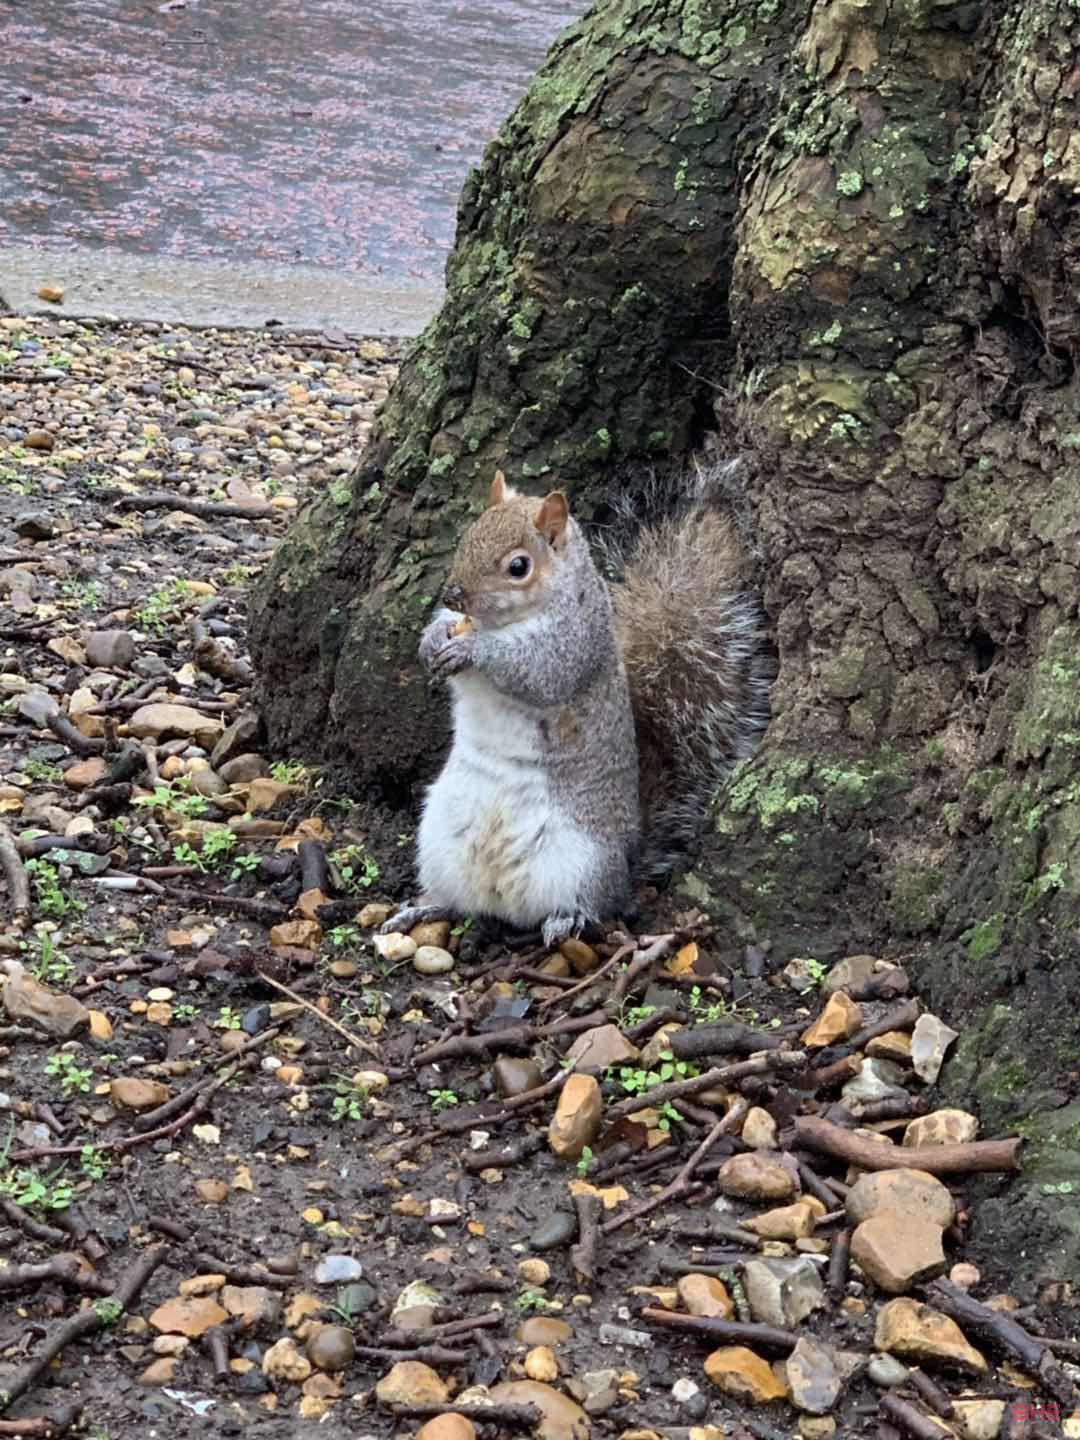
(85, 1322)
(514, 1037)
(900, 1017)
(44, 1427)
(976, 1155)
(912, 1420)
(36, 1229)
(684, 1179)
(203, 509)
(355, 1040)
(576, 987)
(267, 912)
(724, 1332)
(18, 882)
(583, 1254)
(67, 1269)
(643, 962)
(719, 1075)
(476, 1160)
(83, 745)
(1001, 1330)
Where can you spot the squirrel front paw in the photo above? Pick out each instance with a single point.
(441, 652)
(557, 928)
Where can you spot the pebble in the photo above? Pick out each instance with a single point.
(704, 1295)
(543, 1330)
(756, 1177)
(432, 960)
(739, 1372)
(898, 1251)
(886, 1371)
(600, 1048)
(131, 1093)
(905, 1193)
(561, 1417)
(930, 1040)
(188, 1315)
(335, 1269)
(411, 1382)
(556, 1229)
(110, 649)
(332, 1348)
(840, 1019)
(759, 1129)
(242, 769)
(812, 1378)
(447, 1427)
(283, 1361)
(31, 1003)
(394, 946)
(942, 1127)
(514, 1077)
(577, 1118)
(914, 1331)
(783, 1292)
(540, 1364)
(850, 973)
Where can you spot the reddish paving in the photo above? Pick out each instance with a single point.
(333, 133)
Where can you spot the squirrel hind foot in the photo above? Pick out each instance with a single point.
(409, 916)
(557, 928)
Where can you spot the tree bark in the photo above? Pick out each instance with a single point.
(846, 237)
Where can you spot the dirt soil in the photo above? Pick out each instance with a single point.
(213, 909)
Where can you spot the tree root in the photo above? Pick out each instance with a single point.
(978, 1155)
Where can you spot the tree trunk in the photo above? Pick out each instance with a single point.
(846, 235)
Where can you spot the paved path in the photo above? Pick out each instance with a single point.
(332, 135)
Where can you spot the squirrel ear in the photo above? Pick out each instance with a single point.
(552, 518)
(500, 491)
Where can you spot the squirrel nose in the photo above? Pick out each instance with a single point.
(453, 597)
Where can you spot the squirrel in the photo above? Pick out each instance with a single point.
(592, 723)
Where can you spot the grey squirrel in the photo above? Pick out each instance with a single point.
(592, 723)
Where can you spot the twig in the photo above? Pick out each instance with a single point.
(354, 1040)
(476, 1160)
(267, 912)
(67, 1269)
(583, 1254)
(18, 882)
(724, 1332)
(590, 980)
(682, 1182)
(84, 745)
(719, 1075)
(44, 1427)
(839, 1256)
(912, 1420)
(643, 962)
(204, 509)
(1000, 1328)
(85, 1322)
(976, 1155)
(36, 1229)
(151, 1119)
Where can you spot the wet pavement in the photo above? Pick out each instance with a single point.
(332, 134)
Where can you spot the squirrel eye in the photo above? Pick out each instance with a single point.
(518, 567)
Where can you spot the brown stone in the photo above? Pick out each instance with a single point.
(212, 1192)
(739, 1372)
(908, 1193)
(788, 1222)
(514, 1076)
(265, 794)
(255, 1306)
(544, 1330)
(101, 1027)
(39, 440)
(577, 1118)
(600, 1048)
(706, 1296)
(812, 1377)
(853, 970)
(189, 1315)
(202, 1285)
(447, 1427)
(916, 1332)
(942, 1127)
(560, 1417)
(85, 773)
(29, 1002)
(160, 1372)
(331, 1347)
(242, 769)
(410, 1382)
(893, 1045)
(160, 720)
(898, 1251)
(283, 1361)
(432, 932)
(303, 933)
(840, 1019)
(309, 902)
(759, 1129)
(130, 1093)
(756, 1177)
(583, 958)
(540, 1364)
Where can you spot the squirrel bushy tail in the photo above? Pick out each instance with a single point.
(693, 640)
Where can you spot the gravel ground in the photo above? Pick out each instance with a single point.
(293, 1152)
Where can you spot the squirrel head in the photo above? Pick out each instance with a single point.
(508, 559)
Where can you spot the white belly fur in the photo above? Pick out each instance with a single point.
(491, 840)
